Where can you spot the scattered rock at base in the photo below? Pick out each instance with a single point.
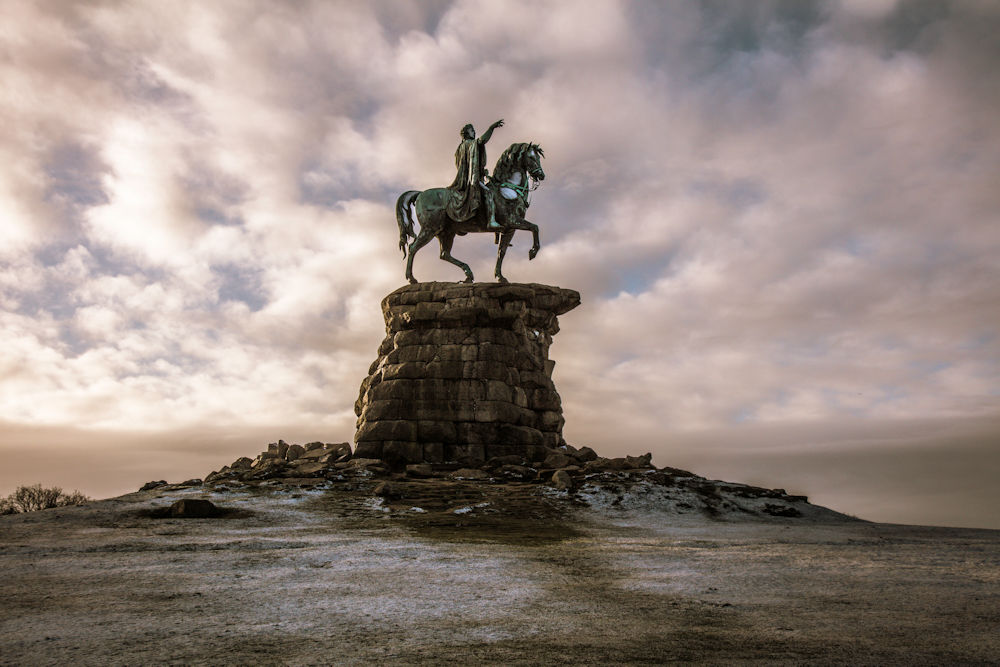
(470, 473)
(149, 486)
(194, 508)
(562, 481)
(419, 470)
(557, 460)
(386, 490)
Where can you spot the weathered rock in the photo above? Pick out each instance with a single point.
(419, 470)
(463, 374)
(314, 454)
(263, 458)
(242, 463)
(386, 490)
(194, 508)
(307, 469)
(357, 463)
(340, 449)
(310, 446)
(294, 451)
(470, 473)
(639, 461)
(557, 460)
(562, 481)
(585, 454)
(523, 473)
(509, 460)
(149, 486)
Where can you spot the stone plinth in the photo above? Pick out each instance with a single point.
(464, 374)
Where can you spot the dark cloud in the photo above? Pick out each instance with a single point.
(777, 213)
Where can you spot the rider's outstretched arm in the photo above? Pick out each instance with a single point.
(489, 133)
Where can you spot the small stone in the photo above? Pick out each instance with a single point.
(357, 463)
(386, 490)
(557, 460)
(470, 473)
(639, 461)
(508, 460)
(419, 470)
(310, 468)
(523, 473)
(148, 486)
(242, 463)
(194, 508)
(562, 481)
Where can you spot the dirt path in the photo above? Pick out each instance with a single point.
(321, 577)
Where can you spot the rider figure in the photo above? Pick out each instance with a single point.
(468, 189)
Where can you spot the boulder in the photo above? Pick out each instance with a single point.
(294, 452)
(309, 468)
(470, 473)
(341, 449)
(149, 486)
(557, 460)
(509, 460)
(280, 449)
(562, 481)
(315, 454)
(194, 508)
(310, 446)
(523, 473)
(387, 491)
(242, 463)
(639, 461)
(357, 463)
(585, 454)
(419, 470)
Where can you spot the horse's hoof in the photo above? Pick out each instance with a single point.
(468, 280)
(413, 281)
(502, 280)
(532, 253)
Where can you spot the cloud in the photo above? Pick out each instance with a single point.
(775, 213)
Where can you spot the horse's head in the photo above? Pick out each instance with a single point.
(533, 162)
(525, 157)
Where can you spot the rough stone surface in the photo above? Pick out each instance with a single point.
(463, 374)
(562, 480)
(194, 508)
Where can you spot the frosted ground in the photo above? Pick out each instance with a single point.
(302, 577)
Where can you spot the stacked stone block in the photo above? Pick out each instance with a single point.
(464, 374)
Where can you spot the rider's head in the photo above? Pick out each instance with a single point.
(468, 132)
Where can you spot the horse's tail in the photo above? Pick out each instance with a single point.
(404, 219)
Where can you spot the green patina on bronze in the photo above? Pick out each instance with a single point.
(473, 202)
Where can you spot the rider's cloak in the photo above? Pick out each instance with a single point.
(470, 160)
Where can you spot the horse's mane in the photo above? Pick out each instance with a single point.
(511, 157)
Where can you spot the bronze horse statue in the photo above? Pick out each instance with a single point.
(509, 187)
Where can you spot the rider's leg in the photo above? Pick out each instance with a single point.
(491, 209)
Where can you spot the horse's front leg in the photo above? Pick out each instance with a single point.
(503, 244)
(536, 244)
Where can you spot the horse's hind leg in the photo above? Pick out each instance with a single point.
(422, 239)
(502, 246)
(446, 239)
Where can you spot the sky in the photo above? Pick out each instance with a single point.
(783, 218)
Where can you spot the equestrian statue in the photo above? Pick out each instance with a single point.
(474, 202)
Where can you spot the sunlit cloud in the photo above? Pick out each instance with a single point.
(777, 213)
